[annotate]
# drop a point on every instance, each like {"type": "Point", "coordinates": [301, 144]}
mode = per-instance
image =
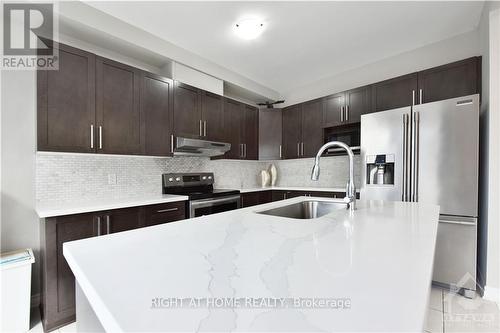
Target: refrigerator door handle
{"type": "Point", "coordinates": [405, 162]}
{"type": "Point", "coordinates": [416, 123]}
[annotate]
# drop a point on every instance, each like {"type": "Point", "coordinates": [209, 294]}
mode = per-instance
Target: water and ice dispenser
{"type": "Point", "coordinates": [380, 169]}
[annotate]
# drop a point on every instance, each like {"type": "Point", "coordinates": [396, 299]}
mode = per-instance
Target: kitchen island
{"type": "Point", "coordinates": [367, 270]}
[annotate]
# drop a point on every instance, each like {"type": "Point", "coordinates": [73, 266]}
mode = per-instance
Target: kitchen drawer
{"type": "Point", "coordinates": [164, 213]}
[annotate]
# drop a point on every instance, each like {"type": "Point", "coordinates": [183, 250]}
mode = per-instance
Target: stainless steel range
{"type": "Point", "coordinates": [203, 198]}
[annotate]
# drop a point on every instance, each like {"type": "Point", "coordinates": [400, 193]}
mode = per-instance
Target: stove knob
{"type": "Point", "coordinates": [178, 179]}
{"type": "Point", "coordinates": [170, 179]}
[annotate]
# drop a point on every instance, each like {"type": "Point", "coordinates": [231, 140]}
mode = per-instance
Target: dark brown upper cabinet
{"type": "Point", "coordinates": [334, 109]}
{"type": "Point", "coordinates": [250, 133]}
{"type": "Point", "coordinates": [242, 130]}
{"type": "Point", "coordinates": [198, 114]}
{"type": "Point", "coordinates": [187, 111]}
{"type": "Point", "coordinates": [358, 103]}
{"type": "Point", "coordinates": [346, 107]}
{"type": "Point", "coordinates": [212, 113]}
{"type": "Point", "coordinates": [66, 103]}
{"type": "Point", "coordinates": [234, 114]}
{"type": "Point", "coordinates": [395, 93]}
{"type": "Point", "coordinates": [120, 121]}
{"type": "Point", "coordinates": [452, 80]}
{"type": "Point", "coordinates": [312, 129]}
{"type": "Point", "coordinates": [156, 106]}
{"type": "Point", "coordinates": [292, 131]}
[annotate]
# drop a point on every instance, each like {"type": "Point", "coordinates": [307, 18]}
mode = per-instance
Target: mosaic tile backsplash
{"type": "Point", "coordinates": [69, 177]}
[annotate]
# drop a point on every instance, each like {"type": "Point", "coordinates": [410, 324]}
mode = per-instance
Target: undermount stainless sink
{"type": "Point", "coordinates": [308, 209]}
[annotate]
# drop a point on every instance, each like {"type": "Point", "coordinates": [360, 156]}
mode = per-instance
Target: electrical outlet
{"type": "Point", "coordinates": [111, 179]}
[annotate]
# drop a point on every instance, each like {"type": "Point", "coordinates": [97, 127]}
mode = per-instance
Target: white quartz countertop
{"type": "Point", "coordinates": [293, 188]}
{"type": "Point", "coordinates": [378, 259]}
{"type": "Point", "coordinates": [76, 207]}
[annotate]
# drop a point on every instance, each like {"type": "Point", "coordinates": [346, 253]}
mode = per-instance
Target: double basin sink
{"type": "Point", "coordinates": [307, 209]}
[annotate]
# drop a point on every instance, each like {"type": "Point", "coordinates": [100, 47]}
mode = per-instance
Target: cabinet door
{"type": "Point", "coordinates": [250, 199]}
{"type": "Point", "coordinates": [233, 118]}
{"type": "Point", "coordinates": [457, 79]}
{"type": "Point", "coordinates": [58, 282]}
{"type": "Point", "coordinates": [66, 103]}
{"type": "Point", "coordinates": [156, 106]}
{"type": "Point", "coordinates": [164, 213]}
{"type": "Point", "coordinates": [357, 104]}
{"type": "Point", "coordinates": [292, 131]}
{"type": "Point", "coordinates": [187, 111]}
{"type": "Point", "coordinates": [251, 133]}
{"type": "Point", "coordinates": [277, 195]}
{"type": "Point", "coordinates": [212, 106]}
{"type": "Point", "coordinates": [121, 220]}
{"type": "Point", "coordinates": [394, 93]}
{"type": "Point", "coordinates": [118, 112]}
{"type": "Point", "coordinates": [312, 129]}
{"type": "Point", "coordinates": [333, 108]}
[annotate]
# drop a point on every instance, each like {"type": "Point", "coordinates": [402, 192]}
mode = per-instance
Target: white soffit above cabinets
{"type": "Point", "coordinates": [303, 41]}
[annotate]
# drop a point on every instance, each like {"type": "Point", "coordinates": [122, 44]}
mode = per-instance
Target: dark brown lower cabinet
{"type": "Point", "coordinates": [164, 213]}
{"type": "Point", "coordinates": [58, 283]}
{"type": "Point", "coordinates": [255, 198]}
{"type": "Point", "coordinates": [282, 194]}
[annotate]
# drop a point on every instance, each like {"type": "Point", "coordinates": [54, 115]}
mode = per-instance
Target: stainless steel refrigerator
{"type": "Point", "coordinates": [430, 153]}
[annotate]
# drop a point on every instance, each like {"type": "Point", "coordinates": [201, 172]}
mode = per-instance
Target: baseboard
{"type": "Point", "coordinates": [35, 300]}
{"type": "Point", "coordinates": [492, 294]}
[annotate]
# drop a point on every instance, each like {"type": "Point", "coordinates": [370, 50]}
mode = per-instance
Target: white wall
{"type": "Point", "coordinates": [446, 51]}
{"type": "Point", "coordinates": [493, 250]}
{"type": "Point", "coordinates": [19, 224]}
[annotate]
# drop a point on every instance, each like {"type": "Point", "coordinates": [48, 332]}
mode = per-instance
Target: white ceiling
{"type": "Point", "coordinates": [303, 41]}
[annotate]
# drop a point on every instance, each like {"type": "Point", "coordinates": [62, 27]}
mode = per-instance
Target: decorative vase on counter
{"type": "Point", "coordinates": [265, 178]}
{"type": "Point", "coordinates": [274, 174]}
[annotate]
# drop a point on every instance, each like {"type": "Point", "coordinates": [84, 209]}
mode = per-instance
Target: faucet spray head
{"type": "Point", "coordinates": [315, 172]}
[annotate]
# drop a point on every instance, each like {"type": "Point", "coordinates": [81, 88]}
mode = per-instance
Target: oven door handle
{"type": "Point", "coordinates": [210, 202]}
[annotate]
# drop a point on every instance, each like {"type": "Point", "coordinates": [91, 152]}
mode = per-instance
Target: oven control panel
{"type": "Point", "coordinates": [187, 179]}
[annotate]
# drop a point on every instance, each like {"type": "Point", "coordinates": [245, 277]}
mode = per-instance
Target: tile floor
{"type": "Point", "coordinates": [447, 312]}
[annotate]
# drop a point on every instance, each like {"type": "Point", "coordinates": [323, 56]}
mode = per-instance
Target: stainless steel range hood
{"type": "Point", "coordinates": [196, 147]}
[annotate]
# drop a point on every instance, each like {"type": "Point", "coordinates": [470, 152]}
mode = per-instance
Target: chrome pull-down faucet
{"type": "Point", "coordinates": [350, 194]}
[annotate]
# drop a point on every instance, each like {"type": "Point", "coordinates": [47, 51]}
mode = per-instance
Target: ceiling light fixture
{"type": "Point", "coordinates": [249, 28]}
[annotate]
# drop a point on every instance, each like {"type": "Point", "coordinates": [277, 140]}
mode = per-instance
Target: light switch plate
{"type": "Point", "coordinates": [111, 179]}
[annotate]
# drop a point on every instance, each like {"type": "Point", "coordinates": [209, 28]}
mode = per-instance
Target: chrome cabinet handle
{"type": "Point", "coordinates": [100, 137]}
{"type": "Point", "coordinates": [245, 150]}
{"type": "Point", "coordinates": [416, 123]}
{"type": "Point", "coordinates": [281, 155]}
{"type": "Point", "coordinates": [241, 150]}
{"type": "Point", "coordinates": [205, 128]}
{"type": "Point", "coordinates": [92, 136]}
{"type": "Point", "coordinates": [347, 113]}
{"type": "Point", "coordinates": [341, 114]}
{"type": "Point", "coordinates": [108, 224]}
{"type": "Point", "coordinates": [298, 149]}
{"type": "Point", "coordinates": [420, 96]}
{"type": "Point", "coordinates": [98, 226]}
{"type": "Point", "coordinates": [172, 143]}
{"type": "Point", "coordinates": [413, 98]}
{"type": "Point", "coordinates": [201, 128]}
{"type": "Point", "coordinates": [167, 210]}
{"type": "Point", "coordinates": [302, 148]}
